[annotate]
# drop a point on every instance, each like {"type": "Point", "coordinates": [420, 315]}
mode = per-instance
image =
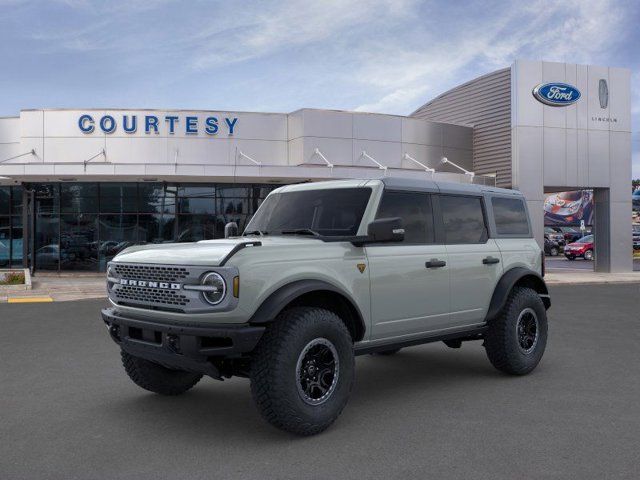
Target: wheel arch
{"type": "Point", "coordinates": [517, 277]}
{"type": "Point", "coordinates": [314, 293]}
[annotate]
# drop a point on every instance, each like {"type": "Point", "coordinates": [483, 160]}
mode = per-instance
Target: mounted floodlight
{"type": "Point", "coordinates": [241, 154]}
{"type": "Point", "coordinates": [364, 154]}
{"type": "Point", "coordinates": [445, 160]}
{"type": "Point", "coordinates": [32, 152]}
{"type": "Point", "coordinates": [102, 152]}
{"type": "Point", "coordinates": [426, 169]}
{"type": "Point", "coordinates": [319, 153]}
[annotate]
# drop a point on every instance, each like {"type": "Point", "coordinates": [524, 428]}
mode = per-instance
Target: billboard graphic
{"type": "Point", "coordinates": [569, 208]}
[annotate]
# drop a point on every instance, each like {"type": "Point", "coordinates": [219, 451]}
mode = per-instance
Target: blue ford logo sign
{"type": "Point", "coordinates": [556, 94]}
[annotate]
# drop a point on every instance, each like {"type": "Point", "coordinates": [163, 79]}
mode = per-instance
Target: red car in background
{"type": "Point", "coordinates": [581, 248]}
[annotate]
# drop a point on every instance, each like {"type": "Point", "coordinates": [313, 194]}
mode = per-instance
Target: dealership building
{"type": "Point", "coordinates": [77, 186]}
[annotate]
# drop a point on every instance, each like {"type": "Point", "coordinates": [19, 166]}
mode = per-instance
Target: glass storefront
{"type": "Point", "coordinates": [10, 227]}
{"type": "Point", "coordinates": [82, 226]}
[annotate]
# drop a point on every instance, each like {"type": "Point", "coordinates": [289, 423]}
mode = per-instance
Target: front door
{"type": "Point", "coordinates": [409, 280]}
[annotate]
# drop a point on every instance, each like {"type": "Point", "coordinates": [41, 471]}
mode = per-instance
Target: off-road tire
{"type": "Point", "coordinates": [274, 379]}
{"type": "Point", "coordinates": [386, 353]}
{"type": "Point", "coordinates": [501, 340]}
{"type": "Point", "coordinates": [156, 378]}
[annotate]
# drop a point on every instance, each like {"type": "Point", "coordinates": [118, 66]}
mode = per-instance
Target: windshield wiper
{"type": "Point", "coordinates": [254, 232]}
{"type": "Point", "coordinates": [300, 231]}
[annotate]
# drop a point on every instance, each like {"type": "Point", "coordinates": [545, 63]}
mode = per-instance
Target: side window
{"type": "Point", "coordinates": [415, 211]}
{"type": "Point", "coordinates": [463, 219]}
{"type": "Point", "coordinates": [510, 215]}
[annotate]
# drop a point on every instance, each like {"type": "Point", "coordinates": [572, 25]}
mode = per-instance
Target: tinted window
{"type": "Point", "coordinates": [510, 216]}
{"type": "Point", "coordinates": [415, 211]}
{"type": "Point", "coordinates": [463, 219]}
{"type": "Point", "coordinates": [336, 211]}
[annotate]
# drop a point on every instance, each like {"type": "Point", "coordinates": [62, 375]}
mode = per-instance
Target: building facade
{"type": "Point", "coordinates": [77, 186]}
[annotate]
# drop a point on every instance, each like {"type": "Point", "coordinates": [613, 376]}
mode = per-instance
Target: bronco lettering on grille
{"type": "Point", "coordinates": [148, 284]}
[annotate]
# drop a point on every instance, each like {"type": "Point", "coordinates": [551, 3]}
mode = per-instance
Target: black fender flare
{"type": "Point", "coordinates": [278, 300]}
{"type": "Point", "coordinates": [506, 283]}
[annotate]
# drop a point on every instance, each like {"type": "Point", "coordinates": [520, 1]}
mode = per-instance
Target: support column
{"type": "Point", "coordinates": [612, 229]}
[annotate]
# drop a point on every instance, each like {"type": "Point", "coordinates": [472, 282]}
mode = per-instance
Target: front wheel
{"type": "Point", "coordinates": [302, 370]}
{"type": "Point", "coordinates": [588, 255]}
{"type": "Point", "coordinates": [554, 252]}
{"type": "Point", "coordinates": [515, 341]}
{"type": "Point", "coordinates": [156, 378]}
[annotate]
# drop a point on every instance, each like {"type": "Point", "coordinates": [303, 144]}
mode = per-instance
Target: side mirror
{"type": "Point", "coordinates": [231, 230]}
{"type": "Point", "coordinates": [385, 230]}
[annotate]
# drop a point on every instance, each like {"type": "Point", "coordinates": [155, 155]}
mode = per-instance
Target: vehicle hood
{"type": "Point", "coordinates": [206, 252]}
{"type": "Point", "coordinates": [579, 245]}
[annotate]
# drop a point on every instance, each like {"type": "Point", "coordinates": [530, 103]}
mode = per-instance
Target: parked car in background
{"type": "Point", "coordinates": [551, 248]}
{"type": "Point", "coordinates": [582, 248]}
{"type": "Point", "coordinates": [554, 234]}
{"type": "Point", "coordinates": [635, 201]}
{"type": "Point", "coordinates": [636, 237]}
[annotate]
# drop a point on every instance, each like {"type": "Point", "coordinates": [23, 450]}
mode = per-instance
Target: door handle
{"type": "Point", "coordinates": [490, 260]}
{"type": "Point", "coordinates": [435, 263]}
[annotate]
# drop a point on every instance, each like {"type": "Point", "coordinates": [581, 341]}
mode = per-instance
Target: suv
{"type": "Point", "coordinates": [326, 271]}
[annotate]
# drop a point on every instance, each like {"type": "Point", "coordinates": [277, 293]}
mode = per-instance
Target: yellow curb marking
{"type": "Point", "coordinates": [29, 299]}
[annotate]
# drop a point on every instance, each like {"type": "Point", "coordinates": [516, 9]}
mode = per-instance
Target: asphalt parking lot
{"type": "Point", "coordinates": [68, 411]}
{"type": "Point", "coordinates": [562, 263]}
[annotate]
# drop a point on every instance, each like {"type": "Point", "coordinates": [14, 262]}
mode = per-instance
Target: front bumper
{"type": "Point", "coordinates": [186, 347]}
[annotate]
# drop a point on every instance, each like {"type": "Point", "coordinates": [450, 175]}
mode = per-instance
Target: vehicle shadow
{"type": "Point", "coordinates": [226, 409]}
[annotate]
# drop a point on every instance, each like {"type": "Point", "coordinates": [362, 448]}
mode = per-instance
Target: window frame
{"type": "Point", "coordinates": [483, 207]}
{"type": "Point", "coordinates": [437, 232]}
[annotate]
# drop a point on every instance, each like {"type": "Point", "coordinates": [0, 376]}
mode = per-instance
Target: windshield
{"type": "Point", "coordinates": [587, 239]}
{"type": "Point", "coordinates": [327, 212]}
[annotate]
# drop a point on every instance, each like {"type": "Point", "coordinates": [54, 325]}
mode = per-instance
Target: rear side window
{"type": "Point", "coordinates": [510, 215]}
{"type": "Point", "coordinates": [415, 211]}
{"type": "Point", "coordinates": [463, 219]}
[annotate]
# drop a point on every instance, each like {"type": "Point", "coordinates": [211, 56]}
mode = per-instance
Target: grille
{"type": "Point", "coordinates": [150, 272]}
{"type": "Point", "coordinates": [150, 295]}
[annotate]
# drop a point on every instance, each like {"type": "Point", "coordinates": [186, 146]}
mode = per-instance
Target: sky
{"type": "Point", "coordinates": [388, 56]}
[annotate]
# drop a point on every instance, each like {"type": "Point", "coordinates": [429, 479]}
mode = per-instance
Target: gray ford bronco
{"type": "Point", "coordinates": [324, 272]}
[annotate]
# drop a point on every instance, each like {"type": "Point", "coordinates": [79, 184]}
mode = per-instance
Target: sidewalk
{"type": "Point", "coordinates": [53, 287]}
{"type": "Point", "coordinates": [49, 287]}
{"type": "Point", "coordinates": [586, 277]}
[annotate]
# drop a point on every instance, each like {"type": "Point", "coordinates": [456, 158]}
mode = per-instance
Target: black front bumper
{"type": "Point", "coordinates": [186, 347]}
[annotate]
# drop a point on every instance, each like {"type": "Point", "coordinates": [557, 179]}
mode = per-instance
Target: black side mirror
{"type": "Point", "coordinates": [231, 230]}
{"type": "Point", "coordinates": [385, 230]}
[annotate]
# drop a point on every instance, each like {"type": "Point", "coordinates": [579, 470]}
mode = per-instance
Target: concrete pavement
{"type": "Point", "coordinates": [70, 412]}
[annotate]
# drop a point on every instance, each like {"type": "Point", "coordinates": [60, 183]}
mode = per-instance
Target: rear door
{"type": "Point", "coordinates": [474, 258]}
{"type": "Point", "coordinates": [410, 279]}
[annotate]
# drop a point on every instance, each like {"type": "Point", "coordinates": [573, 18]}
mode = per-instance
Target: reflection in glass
{"type": "Point", "coordinates": [79, 242]}
{"type": "Point", "coordinates": [16, 241]}
{"type": "Point", "coordinates": [192, 228]}
{"type": "Point", "coordinates": [5, 241]}
{"type": "Point", "coordinates": [47, 249]}
{"type": "Point", "coordinates": [117, 232]}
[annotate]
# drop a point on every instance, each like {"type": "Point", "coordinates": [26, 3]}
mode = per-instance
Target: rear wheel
{"type": "Point", "coordinates": [156, 378]}
{"type": "Point", "coordinates": [302, 370]}
{"type": "Point", "coordinates": [554, 252]}
{"type": "Point", "coordinates": [515, 341]}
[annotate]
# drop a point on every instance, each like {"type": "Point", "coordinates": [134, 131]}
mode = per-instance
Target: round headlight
{"type": "Point", "coordinates": [217, 288]}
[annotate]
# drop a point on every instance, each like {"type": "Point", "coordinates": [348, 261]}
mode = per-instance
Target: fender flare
{"type": "Point", "coordinates": [278, 300]}
{"type": "Point", "coordinates": [506, 283]}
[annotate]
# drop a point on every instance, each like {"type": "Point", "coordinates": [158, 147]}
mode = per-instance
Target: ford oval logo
{"type": "Point", "coordinates": [556, 94]}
